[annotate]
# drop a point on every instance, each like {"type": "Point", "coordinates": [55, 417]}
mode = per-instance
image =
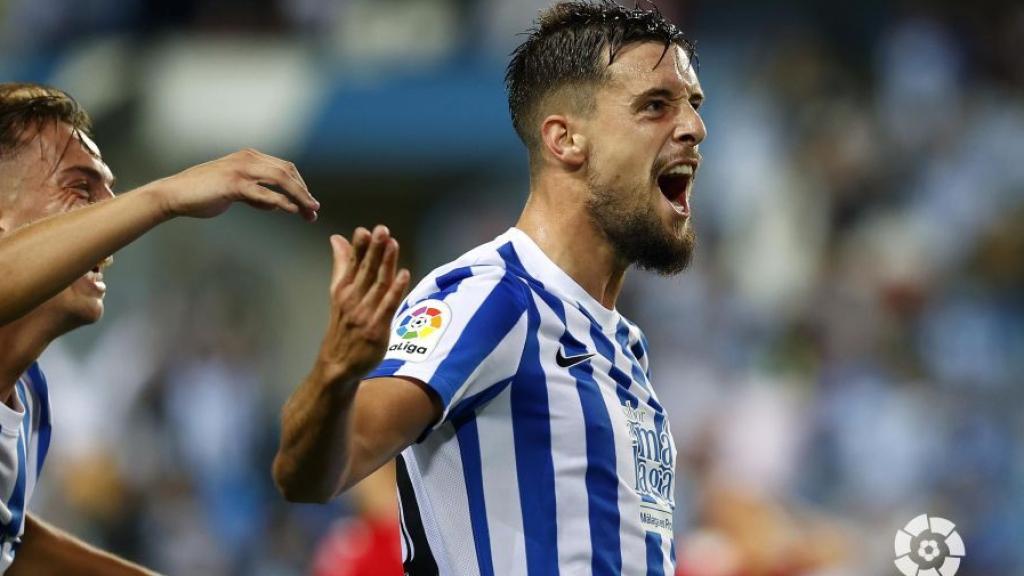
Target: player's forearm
{"type": "Point", "coordinates": [47, 551]}
{"type": "Point", "coordinates": [39, 260]}
{"type": "Point", "coordinates": [316, 436]}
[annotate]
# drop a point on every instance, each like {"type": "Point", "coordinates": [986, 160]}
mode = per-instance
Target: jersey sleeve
{"type": "Point", "coordinates": [464, 343]}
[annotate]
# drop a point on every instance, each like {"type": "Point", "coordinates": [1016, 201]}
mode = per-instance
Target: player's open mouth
{"type": "Point", "coordinates": [95, 279]}
{"type": "Point", "coordinates": [675, 183]}
{"type": "Point", "coordinates": [95, 276]}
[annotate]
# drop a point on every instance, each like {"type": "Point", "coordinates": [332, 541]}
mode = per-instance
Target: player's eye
{"type": "Point", "coordinates": [655, 106]}
{"type": "Point", "coordinates": [696, 103]}
{"type": "Point", "coordinates": [82, 188]}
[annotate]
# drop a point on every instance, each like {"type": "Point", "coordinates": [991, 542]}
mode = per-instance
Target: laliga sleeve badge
{"type": "Point", "coordinates": [418, 330]}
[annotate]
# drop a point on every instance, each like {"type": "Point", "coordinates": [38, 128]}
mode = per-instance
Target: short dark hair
{"type": "Point", "coordinates": [24, 107]}
{"type": "Point", "coordinates": [566, 47]}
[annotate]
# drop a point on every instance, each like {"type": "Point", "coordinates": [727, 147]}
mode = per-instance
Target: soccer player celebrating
{"type": "Point", "coordinates": [56, 237]}
{"type": "Point", "coordinates": [516, 397]}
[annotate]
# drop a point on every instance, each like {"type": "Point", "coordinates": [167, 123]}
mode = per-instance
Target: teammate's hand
{"type": "Point", "coordinates": [366, 289]}
{"type": "Point", "coordinates": [207, 190]}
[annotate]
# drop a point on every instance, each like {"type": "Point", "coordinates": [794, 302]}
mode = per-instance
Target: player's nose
{"type": "Point", "coordinates": [690, 127]}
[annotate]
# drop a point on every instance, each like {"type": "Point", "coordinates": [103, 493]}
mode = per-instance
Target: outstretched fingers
{"type": "Point", "coordinates": [343, 256]}
{"type": "Point", "coordinates": [292, 171]}
{"type": "Point", "coordinates": [284, 176]}
{"type": "Point", "coordinates": [385, 273]}
{"type": "Point", "coordinates": [360, 244]}
{"type": "Point", "coordinates": [388, 305]}
{"type": "Point", "coordinates": [366, 273]}
{"type": "Point", "coordinates": [264, 198]}
{"type": "Point", "coordinates": [371, 261]}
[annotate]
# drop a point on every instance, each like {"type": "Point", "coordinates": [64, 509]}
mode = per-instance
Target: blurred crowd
{"type": "Point", "coordinates": [844, 355]}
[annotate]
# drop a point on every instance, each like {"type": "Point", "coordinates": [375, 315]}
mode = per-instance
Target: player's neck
{"type": "Point", "coordinates": [558, 222]}
{"type": "Point", "coordinates": [23, 341]}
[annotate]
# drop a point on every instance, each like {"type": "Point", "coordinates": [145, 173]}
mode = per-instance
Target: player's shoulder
{"type": "Point", "coordinates": [482, 270]}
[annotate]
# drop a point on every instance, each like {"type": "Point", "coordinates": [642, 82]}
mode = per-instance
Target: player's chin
{"type": "Point", "coordinates": [88, 312]}
{"type": "Point", "coordinates": [85, 309]}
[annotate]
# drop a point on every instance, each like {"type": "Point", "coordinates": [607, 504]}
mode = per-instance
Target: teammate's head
{"type": "Point", "coordinates": [609, 96]}
{"type": "Point", "coordinates": [49, 165]}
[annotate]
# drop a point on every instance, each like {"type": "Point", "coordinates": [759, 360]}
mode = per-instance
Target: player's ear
{"type": "Point", "coordinates": [560, 141]}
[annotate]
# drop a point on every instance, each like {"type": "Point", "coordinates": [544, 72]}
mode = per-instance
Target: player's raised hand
{"type": "Point", "coordinates": [207, 190]}
{"type": "Point", "coordinates": [366, 289]}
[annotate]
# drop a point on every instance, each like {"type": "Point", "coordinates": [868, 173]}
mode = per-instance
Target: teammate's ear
{"type": "Point", "coordinates": [559, 140]}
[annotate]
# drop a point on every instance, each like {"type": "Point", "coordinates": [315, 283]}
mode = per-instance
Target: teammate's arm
{"type": "Point", "coordinates": [47, 551]}
{"type": "Point", "coordinates": [336, 430]}
{"type": "Point", "coordinates": [39, 260]}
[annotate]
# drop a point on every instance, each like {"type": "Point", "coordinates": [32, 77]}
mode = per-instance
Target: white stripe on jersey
{"type": "Point", "coordinates": [553, 453]}
{"type": "Point", "coordinates": [24, 441]}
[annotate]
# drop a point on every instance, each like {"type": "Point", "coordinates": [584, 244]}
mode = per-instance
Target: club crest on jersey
{"type": "Point", "coordinates": [418, 330]}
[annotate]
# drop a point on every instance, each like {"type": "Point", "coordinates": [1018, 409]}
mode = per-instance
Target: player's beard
{"type": "Point", "coordinates": [631, 224]}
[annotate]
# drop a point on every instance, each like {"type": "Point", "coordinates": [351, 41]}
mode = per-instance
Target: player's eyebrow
{"type": "Point", "coordinates": [696, 98]}
{"type": "Point", "coordinates": [92, 174]}
{"type": "Point", "coordinates": [657, 92]}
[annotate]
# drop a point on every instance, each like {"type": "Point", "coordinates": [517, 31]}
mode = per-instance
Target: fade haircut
{"type": "Point", "coordinates": [25, 108]}
{"type": "Point", "coordinates": [566, 49]}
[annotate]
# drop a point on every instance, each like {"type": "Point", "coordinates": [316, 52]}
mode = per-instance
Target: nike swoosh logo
{"type": "Point", "coordinates": [570, 361]}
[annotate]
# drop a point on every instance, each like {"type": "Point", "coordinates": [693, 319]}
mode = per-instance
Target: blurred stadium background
{"type": "Point", "coordinates": [845, 354]}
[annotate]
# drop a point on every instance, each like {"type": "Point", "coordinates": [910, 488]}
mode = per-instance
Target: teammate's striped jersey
{"type": "Point", "coordinates": [553, 455]}
{"type": "Point", "coordinates": [24, 440]}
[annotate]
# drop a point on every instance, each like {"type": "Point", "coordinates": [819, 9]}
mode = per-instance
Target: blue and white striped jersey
{"type": "Point", "coordinates": [553, 455]}
{"type": "Point", "coordinates": [24, 440]}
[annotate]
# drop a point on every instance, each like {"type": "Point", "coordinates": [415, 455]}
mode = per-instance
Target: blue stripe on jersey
{"type": "Point", "coordinates": [493, 320]}
{"type": "Point", "coordinates": [622, 336]}
{"type": "Point", "coordinates": [605, 348]}
{"type": "Point", "coordinates": [512, 262]}
{"type": "Point", "coordinates": [515, 265]}
{"type": "Point", "coordinates": [638, 350]}
{"type": "Point", "coordinates": [655, 557]}
{"type": "Point", "coordinates": [388, 367]}
{"type": "Point", "coordinates": [602, 477]}
{"type": "Point", "coordinates": [644, 347]}
{"type": "Point", "coordinates": [469, 449]}
{"type": "Point", "coordinates": [535, 469]}
{"type": "Point", "coordinates": [449, 281]}
{"type": "Point", "coordinates": [42, 394]}
{"type": "Point", "coordinates": [466, 407]}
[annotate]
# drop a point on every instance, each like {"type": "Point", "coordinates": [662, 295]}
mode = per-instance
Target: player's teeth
{"type": "Point", "coordinates": [680, 170]}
